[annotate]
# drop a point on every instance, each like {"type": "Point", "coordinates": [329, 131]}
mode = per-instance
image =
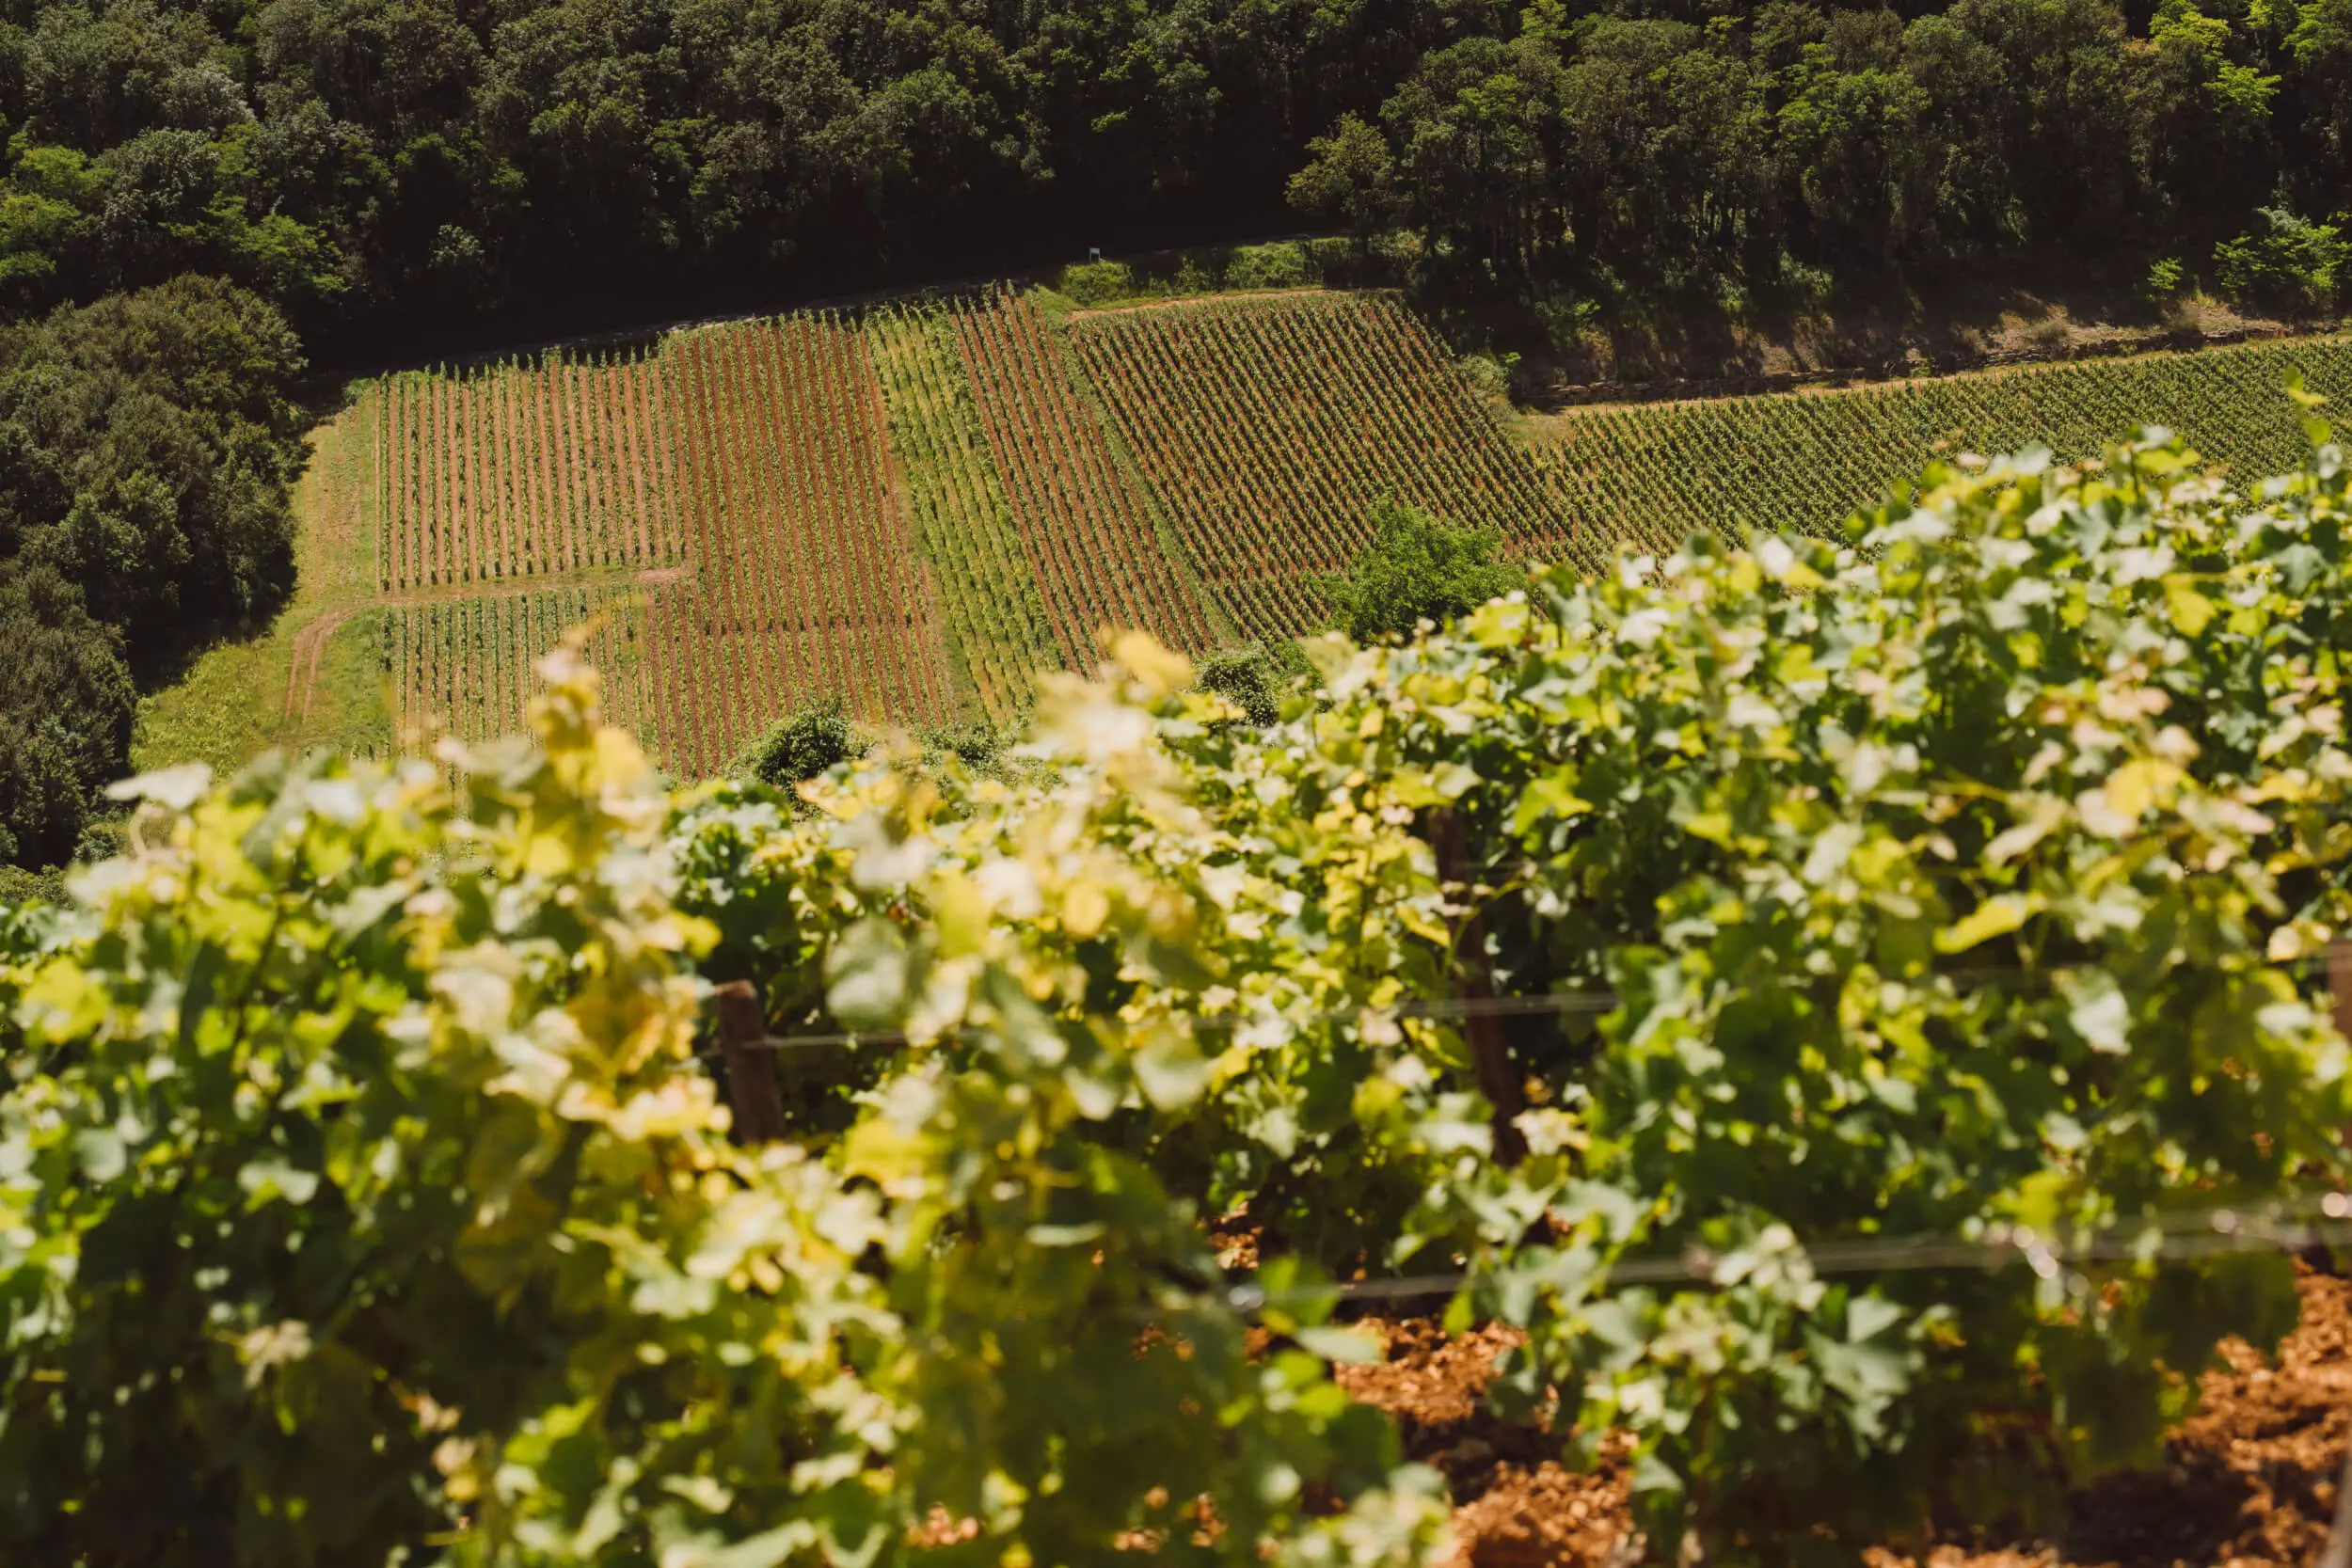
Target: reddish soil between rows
{"type": "Point", "coordinates": [2248, 1480]}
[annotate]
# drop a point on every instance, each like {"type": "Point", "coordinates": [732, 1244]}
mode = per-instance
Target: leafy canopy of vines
{"type": "Point", "coordinates": [360, 1190]}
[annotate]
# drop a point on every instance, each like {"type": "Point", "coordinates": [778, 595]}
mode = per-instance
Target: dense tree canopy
{"type": "Point", "coordinates": [146, 443]}
{"type": "Point", "coordinates": [348, 157]}
{"type": "Point", "coordinates": [1671, 150]}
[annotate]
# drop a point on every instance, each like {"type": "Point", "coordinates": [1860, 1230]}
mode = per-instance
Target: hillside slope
{"type": "Point", "coordinates": [910, 510]}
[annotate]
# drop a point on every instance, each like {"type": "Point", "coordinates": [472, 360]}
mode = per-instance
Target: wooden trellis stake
{"type": "Point", "coordinates": [751, 1063]}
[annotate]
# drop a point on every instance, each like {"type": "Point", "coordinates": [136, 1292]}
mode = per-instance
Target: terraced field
{"type": "Point", "coordinates": [913, 510]}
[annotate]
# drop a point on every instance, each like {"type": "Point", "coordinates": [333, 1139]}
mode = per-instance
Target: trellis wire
{"type": "Point", "coordinates": [2323, 1221]}
{"type": "Point", "coordinates": [1443, 1009]}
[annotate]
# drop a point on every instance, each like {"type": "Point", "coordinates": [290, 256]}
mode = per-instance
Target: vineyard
{"type": "Point", "coordinates": [723, 499]}
{"type": "Point", "coordinates": [998, 627]}
{"type": "Point", "coordinates": [1652, 474]}
{"type": "Point", "coordinates": [1849, 1063]}
{"type": "Point", "coordinates": [1090, 539]}
{"type": "Point", "coordinates": [462, 666]}
{"type": "Point", "coordinates": [914, 508]}
{"type": "Point", "coordinates": [1270, 427]}
{"type": "Point", "coordinates": [526, 470]}
{"type": "Point", "coordinates": [806, 583]}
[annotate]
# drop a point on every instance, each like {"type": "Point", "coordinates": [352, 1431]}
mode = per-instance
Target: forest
{"type": "Point", "coordinates": [363, 164]}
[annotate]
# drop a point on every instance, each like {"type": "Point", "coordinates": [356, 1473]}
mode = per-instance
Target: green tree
{"type": "Point", "coordinates": [2291, 263]}
{"type": "Point", "coordinates": [1417, 569]}
{"type": "Point", "coordinates": [66, 706]}
{"type": "Point", "coordinates": [801, 746]}
{"type": "Point", "coordinates": [1349, 178]}
{"type": "Point", "coordinates": [146, 443]}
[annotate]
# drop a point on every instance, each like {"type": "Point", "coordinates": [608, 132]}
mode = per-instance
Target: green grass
{"type": "Point", "coordinates": [233, 701]}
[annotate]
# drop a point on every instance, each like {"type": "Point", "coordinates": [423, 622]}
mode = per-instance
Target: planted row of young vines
{"type": "Point", "coordinates": [528, 468]}
{"type": "Point", "coordinates": [1653, 474]}
{"type": "Point", "coordinates": [1092, 547]}
{"type": "Point", "coordinates": [462, 666]}
{"type": "Point", "coordinates": [1272, 427]}
{"type": "Point", "coordinates": [996, 619]}
{"type": "Point", "coordinates": [807, 586]}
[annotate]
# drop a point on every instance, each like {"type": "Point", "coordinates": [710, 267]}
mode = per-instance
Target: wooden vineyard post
{"type": "Point", "coordinates": [751, 1063]}
{"type": "Point", "coordinates": [1490, 1053]}
{"type": "Point", "coordinates": [2340, 984]}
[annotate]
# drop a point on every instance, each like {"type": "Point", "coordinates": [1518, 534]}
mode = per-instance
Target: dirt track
{"type": "Point", "coordinates": [310, 644]}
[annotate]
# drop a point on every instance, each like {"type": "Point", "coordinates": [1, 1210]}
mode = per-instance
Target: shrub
{"type": "Point", "coordinates": [365, 1205]}
{"type": "Point", "coordinates": [800, 747]}
{"type": "Point", "coordinates": [1096, 282]}
{"type": "Point", "coordinates": [1927, 868]}
{"type": "Point", "coordinates": [1254, 677]}
{"type": "Point", "coordinates": [1280, 265]}
{"type": "Point", "coordinates": [1418, 569]}
{"type": "Point", "coordinates": [2293, 264]}
{"type": "Point", "coordinates": [1489, 375]}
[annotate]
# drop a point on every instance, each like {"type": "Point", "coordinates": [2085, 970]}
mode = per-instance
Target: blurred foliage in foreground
{"type": "Point", "coordinates": [361, 1193]}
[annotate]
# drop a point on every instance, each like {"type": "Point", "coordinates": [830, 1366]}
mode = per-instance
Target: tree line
{"type": "Point", "coordinates": [146, 448]}
{"type": "Point", "coordinates": [352, 159]}
{"type": "Point", "coordinates": [1673, 152]}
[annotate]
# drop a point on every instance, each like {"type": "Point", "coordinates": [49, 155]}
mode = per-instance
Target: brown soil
{"type": "Point", "coordinates": [1220, 298]}
{"type": "Point", "coordinates": [2250, 1480]}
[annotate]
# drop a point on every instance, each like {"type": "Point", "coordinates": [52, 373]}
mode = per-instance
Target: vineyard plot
{"type": "Point", "coordinates": [995, 616]}
{"type": "Point", "coordinates": [526, 469]}
{"type": "Point", "coordinates": [1270, 428]}
{"type": "Point", "coordinates": [806, 584]}
{"type": "Point", "coordinates": [462, 666]}
{"type": "Point", "coordinates": [1653, 474]}
{"type": "Point", "coordinates": [1091, 545]}
{"type": "Point", "coordinates": [724, 497]}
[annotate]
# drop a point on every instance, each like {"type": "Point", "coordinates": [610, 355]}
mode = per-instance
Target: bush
{"type": "Point", "coordinates": [2292, 264]}
{"type": "Point", "coordinates": [1097, 282]}
{"type": "Point", "coordinates": [800, 747]}
{"type": "Point", "coordinates": [1280, 265]}
{"type": "Point", "coordinates": [1925, 869]}
{"type": "Point", "coordinates": [1418, 569]}
{"type": "Point", "coordinates": [367, 1206]}
{"type": "Point", "coordinates": [1489, 375]}
{"type": "Point", "coordinates": [1936, 873]}
{"type": "Point", "coordinates": [1254, 677]}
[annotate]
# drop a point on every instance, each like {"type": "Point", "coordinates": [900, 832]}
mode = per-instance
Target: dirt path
{"type": "Point", "coordinates": [310, 644]}
{"type": "Point", "coordinates": [1179, 302]}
